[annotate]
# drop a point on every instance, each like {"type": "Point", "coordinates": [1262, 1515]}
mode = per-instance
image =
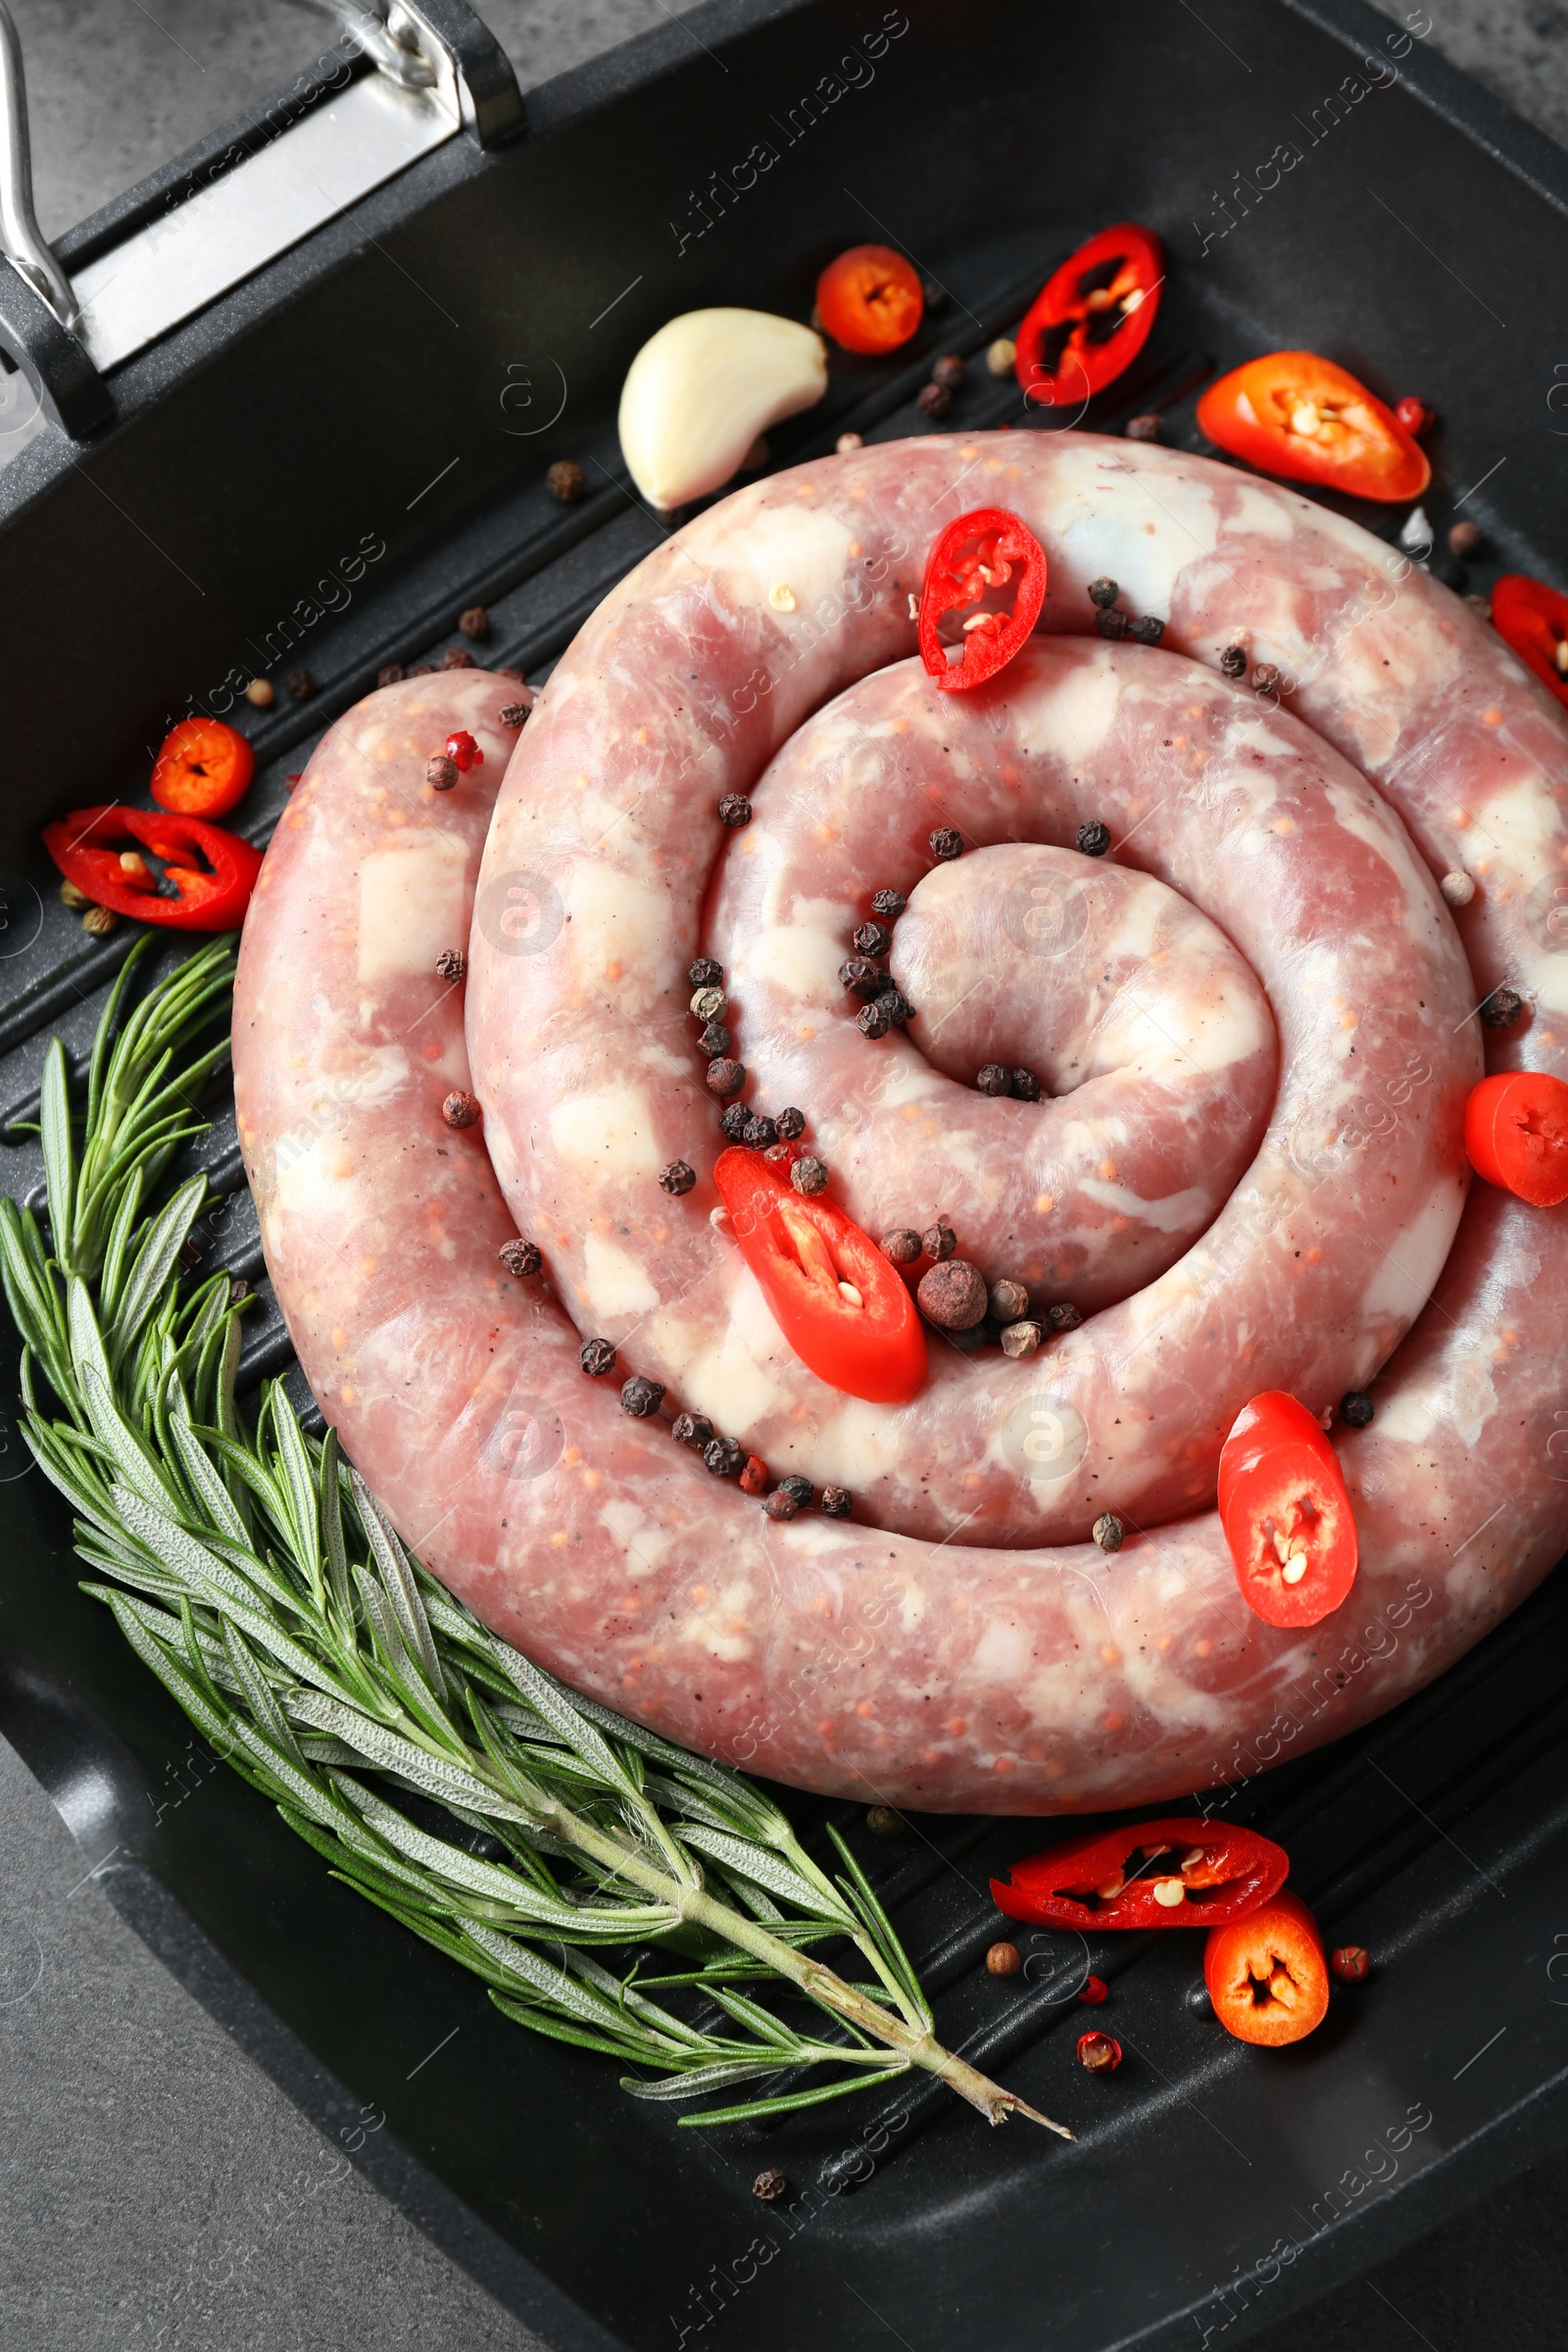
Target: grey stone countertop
{"type": "Point", "coordinates": [161, 2189]}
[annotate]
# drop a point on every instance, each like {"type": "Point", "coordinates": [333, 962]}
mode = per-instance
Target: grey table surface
{"type": "Point", "coordinates": [162, 2189]}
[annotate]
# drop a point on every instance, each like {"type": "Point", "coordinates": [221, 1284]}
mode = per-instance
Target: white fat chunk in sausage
{"type": "Point", "coordinates": [616, 1283]}
{"type": "Point", "coordinates": [1261, 515]}
{"type": "Point", "coordinates": [1405, 1280]}
{"type": "Point", "coordinates": [1176, 1213]}
{"type": "Point", "coordinates": [310, 1171]}
{"type": "Point", "coordinates": [1072, 723]}
{"type": "Point", "coordinates": [412, 904]}
{"type": "Point", "coordinates": [1003, 1652]}
{"type": "Point", "coordinates": [802, 963]}
{"type": "Point", "coordinates": [806, 549]}
{"type": "Point", "coordinates": [610, 1132]}
{"type": "Point", "coordinates": [646, 1541]}
{"type": "Point", "coordinates": [622, 934]}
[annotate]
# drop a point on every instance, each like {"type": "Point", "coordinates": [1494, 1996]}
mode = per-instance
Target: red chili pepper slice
{"type": "Point", "coordinates": [803, 1251]}
{"type": "Point", "coordinates": [1414, 414]}
{"type": "Point", "coordinates": [1516, 1135]}
{"type": "Point", "coordinates": [461, 749]}
{"type": "Point", "coordinates": [203, 768]}
{"type": "Point", "coordinates": [208, 901]}
{"type": "Point", "coordinates": [1308, 420]}
{"type": "Point", "coordinates": [1151, 1874]}
{"type": "Point", "coordinates": [1533, 619]}
{"type": "Point", "coordinates": [871, 299]}
{"type": "Point", "coordinates": [973, 560]}
{"type": "Point", "coordinates": [1287, 1512]}
{"type": "Point", "coordinates": [1266, 1973]}
{"type": "Point", "coordinates": [1091, 317]}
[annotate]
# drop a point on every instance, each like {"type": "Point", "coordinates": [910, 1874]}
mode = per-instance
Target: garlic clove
{"type": "Point", "coordinates": [702, 388]}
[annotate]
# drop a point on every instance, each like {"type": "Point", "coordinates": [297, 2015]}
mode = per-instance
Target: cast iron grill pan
{"type": "Point", "coordinates": [1211, 2188]}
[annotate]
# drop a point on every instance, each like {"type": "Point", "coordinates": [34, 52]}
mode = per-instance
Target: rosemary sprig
{"type": "Point", "coordinates": [516, 1826]}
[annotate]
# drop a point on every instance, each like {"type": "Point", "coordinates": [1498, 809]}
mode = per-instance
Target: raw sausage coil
{"type": "Point", "coordinates": [1299, 1222]}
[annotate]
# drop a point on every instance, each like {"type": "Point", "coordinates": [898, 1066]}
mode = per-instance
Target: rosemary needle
{"type": "Point", "coordinates": [520, 1829]}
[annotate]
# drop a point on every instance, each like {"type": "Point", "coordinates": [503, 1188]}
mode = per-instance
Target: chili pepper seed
{"type": "Point", "coordinates": [460, 1108]}
{"type": "Point", "coordinates": [451, 964]}
{"type": "Point", "coordinates": [1093, 839]}
{"type": "Point", "coordinates": [677, 1178]}
{"type": "Point", "coordinates": [565, 480]}
{"type": "Point", "coordinates": [808, 1175]}
{"type": "Point", "coordinates": [1099, 2053]}
{"type": "Point", "coordinates": [946, 842]}
{"type": "Point", "coordinates": [596, 1356]}
{"type": "Point", "coordinates": [640, 1396]}
{"type": "Point", "coordinates": [440, 772]}
{"type": "Point", "coordinates": [884, 1821]}
{"type": "Point", "coordinates": [1109, 1531]}
{"type": "Point", "coordinates": [1350, 1963]}
{"type": "Point", "coordinates": [837, 1502]}
{"type": "Point", "coordinates": [1003, 1960]}
{"type": "Point", "coordinates": [520, 1259]}
{"type": "Point", "coordinates": [769, 2185]}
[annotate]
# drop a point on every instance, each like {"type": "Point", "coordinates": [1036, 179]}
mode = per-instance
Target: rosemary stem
{"type": "Point", "coordinates": [819, 1984]}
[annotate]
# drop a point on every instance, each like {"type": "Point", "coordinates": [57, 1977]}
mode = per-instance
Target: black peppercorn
{"type": "Point", "coordinates": [946, 842]}
{"type": "Point", "coordinates": [716, 1041]}
{"type": "Point", "coordinates": [451, 964]}
{"type": "Point", "coordinates": [299, 685]}
{"type": "Point", "coordinates": [692, 1429]}
{"type": "Point", "coordinates": [1464, 538]}
{"type": "Point", "coordinates": [992, 1079]}
{"type": "Point", "coordinates": [837, 1502]}
{"type": "Point", "coordinates": [456, 657]}
{"type": "Point", "coordinates": [860, 975]}
{"type": "Point", "coordinates": [939, 1241]}
{"type": "Point", "coordinates": [704, 972]}
{"type": "Point", "coordinates": [514, 714]}
{"type": "Point", "coordinates": [781, 1505]}
{"type": "Point", "coordinates": [475, 622]}
{"type": "Point", "coordinates": [1265, 678]}
{"type": "Point", "coordinates": [809, 1174]}
{"type": "Point", "coordinates": [1063, 1318]}
{"type": "Point", "coordinates": [724, 1077]}
{"type": "Point", "coordinates": [934, 400]}
{"type": "Point", "coordinates": [770, 2185]}
{"type": "Point", "coordinates": [801, 1488]}
{"type": "Point", "coordinates": [1025, 1086]}
{"type": "Point", "coordinates": [902, 1247]}
{"type": "Point", "coordinates": [1355, 1408]}
{"type": "Point", "coordinates": [1143, 428]}
{"type": "Point", "coordinates": [1093, 839]}
{"type": "Point", "coordinates": [898, 1008]}
{"type": "Point", "coordinates": [949, 371]}
{"type": "Point", "coordinates": [391, 675]}
{"type": "Point", "coordinates": [724, 1458]}
{"type": "Point", "coordinates": [565, 480]}
{"type": "Point", "coordinates": [873, 938]}
{"type": "Point", "coordinates": [734, 809]}
{"type": "Point", "coordinates": [708, 1005]}
{"type": "Point", "coordinates": [733, 1125]}
{"type": "Point", "coordinates": [440, 772]}
{"type": "Point", "coordinates": [677, 1178]}
{"type": "Point", "coordinates": [460, 1108]}
{"type": "Point", "coordinates": [953, 1295]}
{"type": "Point", "coordinates": [521, 1258]}
{"type": "Point", "coordinates": [640, 1396]}
{"type": "Point", "coordinates": [760, 1131]}
{"type": "Point", "coordinates": [1111, 623]}
{"type": "Point", "coordinates": [1502, 1008]}
{"type": "Point", "coordinates": [884, 1822]}
{"type": "Point", "coordinates": [597, 1357]}
{"type": "Point", "coordinates": [1104, 593]}
{"type": "Point", "coordinates": [1232, 661]}
{"type": "Point", "coordinates": [1147, 629]}
{"type": "Point", "coordinates": [791, 1122]}
{"type": "Point", "coordinates": [872, 1021]}
{"type": "Point", "coordinates": [889, 904]}
{"type": "Point", "coordinates": [1109, 1531]}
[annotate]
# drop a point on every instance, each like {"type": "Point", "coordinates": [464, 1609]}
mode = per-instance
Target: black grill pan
{"type": "Point", "coordinates": [368, 390]}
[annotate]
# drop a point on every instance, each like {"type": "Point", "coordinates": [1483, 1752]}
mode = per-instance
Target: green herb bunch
{"type": "Point", "coordinates": [518, 1827]}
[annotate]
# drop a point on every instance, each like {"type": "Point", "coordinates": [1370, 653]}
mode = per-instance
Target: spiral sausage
{"type": "Point", "coordinates": [907, 1659]}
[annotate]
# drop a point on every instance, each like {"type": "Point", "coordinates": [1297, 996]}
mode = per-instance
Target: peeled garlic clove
{"type": "Point", "coordinates": [699, 391]}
